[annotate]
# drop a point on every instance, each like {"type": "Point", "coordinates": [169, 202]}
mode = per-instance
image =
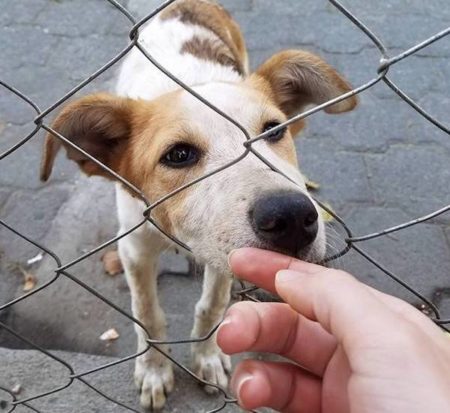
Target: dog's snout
{"type": "Point", "coordinates": [287, 221]}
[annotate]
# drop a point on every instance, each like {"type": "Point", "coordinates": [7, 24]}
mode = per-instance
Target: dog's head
{"type": "Point", "coordinates": [163, 144]}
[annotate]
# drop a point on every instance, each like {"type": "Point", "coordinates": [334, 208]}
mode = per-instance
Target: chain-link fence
{"type": "Point", "coordinates": [380, 74]}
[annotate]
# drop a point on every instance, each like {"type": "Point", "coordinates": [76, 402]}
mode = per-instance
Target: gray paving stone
{"type": "Point", "coordinates": [415, 178]}
{"type": "Point", "coordinates": [341, 174]}
{"type": "Point", "coordinates": [79, 18]}
{"type": "Point", "coordinates": [299, 8]}
{"type": "Point", "coordinates": [41, 209]}
{"type": "Point", "coordinates": [434, 9]}
{"type": "Point", "coordinates": [82, 56]}
{"type": "Point", "coordinates": [25, 46]}
{"type": "Point", "coordinates": [21, 12]}
{"type": "Point", "coordinates": [418, 76]}
{"type": "Point", "coordinates": [26, 367]}
{"type": "Point", "coordinates": [412, 254]}
{"type": "Point", "coordinates": [20, 174]}
{"type": "Point", "coordinates": [14, 110]}
{"type": "Point", "coordinates": [443, 301]}
{"type": "Point", "coordinates": [4, 194]}
{"type": "Point", "coordinates": [141, 8]}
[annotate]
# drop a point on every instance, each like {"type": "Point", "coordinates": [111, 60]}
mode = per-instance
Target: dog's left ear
{"type": "Point", "coordinates": [298, 78]}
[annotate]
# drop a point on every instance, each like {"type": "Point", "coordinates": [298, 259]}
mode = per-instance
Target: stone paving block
{"type": "Point", "coordinates": [300, 8]}
{"type": "Point", "coordinates": [81, 56]}
{"type": "Point", "coordinates": [35, 211]}
{"type": "Point", "coordinates": [20, 12]}
{"type": "Point", "coordinates": [341, 174]}
{"type": "Point", "coordinates": [4, 195]}
{"type": "Point", "coordinates": [415, 178]}
{"type": "Point", "coordinates": [33, 81]}
{"type": "Point", "coordinates": [13, 110]}
{"type": "Point", "coordinates": [26, 367]}
{"type": "Point", "coordinates": [22, 166]}
{"type": "Point", "coordinates": [287, 29]}
{"type": "Point", "coordinates": [435, 8]}
{"type": "Point", "coordinates": [391, 21]}
{"type": "Point", "coordinates": [97, 16]}
{"type": "Point", "coordinates": [376, 124]}
{"type": "Point", "coordinates": [411, 254]}
{"type": "Point", "coordinates": [24, 46]}
{"type": "Point", "coordinates": [443, 298]}
{"type": "Point", "coordinates": [141, 8]}
{"type": "Point", "coordinates": [418, 76]}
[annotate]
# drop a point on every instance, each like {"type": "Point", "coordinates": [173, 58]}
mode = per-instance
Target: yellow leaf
{"type": "Point", "coordinates": [29, 280]}
{"type": "Point", "coordinates": [311, 185]}
{"type": "Point", "coordinates": [327, 216]}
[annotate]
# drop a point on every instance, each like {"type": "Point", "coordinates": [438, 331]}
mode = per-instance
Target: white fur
{"type": "Point", "coordinates": [164, 39]}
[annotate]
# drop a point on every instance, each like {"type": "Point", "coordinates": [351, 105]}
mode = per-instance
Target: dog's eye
{"type": "Point", "coordinates": [275, 136]}
{"type": "Point", "coordinates": [180, 156]}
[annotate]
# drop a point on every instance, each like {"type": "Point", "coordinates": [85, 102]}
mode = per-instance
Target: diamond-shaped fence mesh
{"type": "Point", "coordinates": [8, 400]}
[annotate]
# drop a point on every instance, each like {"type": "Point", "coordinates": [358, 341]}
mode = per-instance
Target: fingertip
{"type": "Point", "coordinates": [230, 255]}
{"type": "Point", "coordinates": [251, 386]}
{"type": "Point", "coordinates": [235, 334]}
{"type": "Point", "coordinates": [224, 334]}
{"type": "Point", "coordinates": [287, 276]}
{"type": "Point", "coordinates": [238, 256]}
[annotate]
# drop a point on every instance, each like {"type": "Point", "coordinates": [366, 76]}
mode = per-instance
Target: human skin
{"type": "Point", "coordinates": [348, 347]}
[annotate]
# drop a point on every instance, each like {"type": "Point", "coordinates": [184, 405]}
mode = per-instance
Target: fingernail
{"type": "Point", "coordinates": [226, 321]}
{"type": "Point", "coordinates": [244, 378]}
{"type": "Point", "coordinates": [229, 257]}
{"type": "Point", "coordinates": [285, 276]}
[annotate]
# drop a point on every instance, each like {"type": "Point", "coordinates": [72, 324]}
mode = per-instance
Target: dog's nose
{"type": "Point", "coordinates": [287, 221]}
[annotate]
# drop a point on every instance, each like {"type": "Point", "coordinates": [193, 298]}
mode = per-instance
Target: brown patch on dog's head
{"type": "Point", "coordinates": [295, 79]}
{"type": "Point", "coordinates": [215, 18]}
{"type": "Point", "coordinates": [213, 50]}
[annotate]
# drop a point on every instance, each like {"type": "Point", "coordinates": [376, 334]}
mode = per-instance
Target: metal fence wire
{"type": "Point", "coordinates": [381, 74]}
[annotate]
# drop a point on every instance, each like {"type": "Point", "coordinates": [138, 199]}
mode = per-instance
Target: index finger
{"type": "Point", "coordinates": [318, 293]}
{"type": "Point", "coordinates": [260, 267]}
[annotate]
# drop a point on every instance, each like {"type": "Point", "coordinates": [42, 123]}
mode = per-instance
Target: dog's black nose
{"type": "Point", "coordinates": [286, 221]}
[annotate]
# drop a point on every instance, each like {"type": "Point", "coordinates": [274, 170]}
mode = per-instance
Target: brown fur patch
{"type": "Point", "coordinates": [213, 50]}
{"type": "Point", "coordinates": [299, 78]}
{"type": "Point", "coordinates": [213, 17]}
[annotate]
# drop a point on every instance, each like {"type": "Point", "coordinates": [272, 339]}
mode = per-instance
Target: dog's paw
{"type": "Point", "coordinates": [155, 382]}
{"type": "Point", "coordinates": [213, 368]}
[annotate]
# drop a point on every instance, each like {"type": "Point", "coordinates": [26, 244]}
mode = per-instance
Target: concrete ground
{"type": "Point", "coordinates": [378, 166]}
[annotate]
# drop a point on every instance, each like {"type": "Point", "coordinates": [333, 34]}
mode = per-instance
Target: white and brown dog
{"type": "Point", "coordinates": [158, 137]}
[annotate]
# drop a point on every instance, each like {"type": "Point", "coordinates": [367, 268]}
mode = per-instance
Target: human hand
{"type": "Point", "coordinates": [352, 348]}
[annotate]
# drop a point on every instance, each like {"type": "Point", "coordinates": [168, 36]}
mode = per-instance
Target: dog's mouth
{"type": "Point", "coordinates": [307, 254]}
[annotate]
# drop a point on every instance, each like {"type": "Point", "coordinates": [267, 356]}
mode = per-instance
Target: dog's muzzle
{"type": "Point", "coordinates": [285, 221]}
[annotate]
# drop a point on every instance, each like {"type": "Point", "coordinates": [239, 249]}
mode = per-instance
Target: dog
{"type": "Point", "coordinates": [159, 137]}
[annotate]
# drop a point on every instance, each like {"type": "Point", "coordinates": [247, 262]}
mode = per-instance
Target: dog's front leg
{"type": "Point", "coordinates": [153, 372]}
{"type": "Point", "coordinates": [209, 362]}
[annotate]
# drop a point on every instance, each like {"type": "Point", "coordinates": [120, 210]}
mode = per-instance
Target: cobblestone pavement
{"type": "Point", "coordinates": [378, 166]}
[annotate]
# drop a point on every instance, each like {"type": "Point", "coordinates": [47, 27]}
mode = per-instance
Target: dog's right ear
{"type": "Point", "coordinates": [99, 124]}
